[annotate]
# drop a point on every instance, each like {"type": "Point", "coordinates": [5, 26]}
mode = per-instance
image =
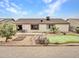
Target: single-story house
{"type": "Point", "coordinates": [42, 24]}
{"type": "Point", "coordinates": [73, 23]}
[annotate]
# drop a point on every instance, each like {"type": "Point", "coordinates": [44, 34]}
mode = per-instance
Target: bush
{"type": "Point", "coordinates": [54, 29]}
{"type": "Point", "coordinates": [42, 40]}
{"type": "Point", "coordinates": [77, 29]}
{"type": "Point", "coordinates": [57, 43]}
{"type": "Point", "coordinates": [64, 33]}
{"type": "Point", "coordinates": [7, 30]}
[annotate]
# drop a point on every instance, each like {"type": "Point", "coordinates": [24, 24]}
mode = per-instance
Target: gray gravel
{"type": "Point", "coordinates": [40, 52]}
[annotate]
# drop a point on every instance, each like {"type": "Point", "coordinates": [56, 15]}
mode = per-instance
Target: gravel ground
{"type": "Point", "coordinates": [40, 52]}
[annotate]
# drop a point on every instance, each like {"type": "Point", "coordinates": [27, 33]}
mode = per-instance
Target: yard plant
{"type": "Point", "coordinates": [7, 30]}
{"type": "Point", "coordinates": [77, 29]}
{"type": "Point", "coordinates": [42, 40]}
{"type": "Point", "coordinates": [54, 29]}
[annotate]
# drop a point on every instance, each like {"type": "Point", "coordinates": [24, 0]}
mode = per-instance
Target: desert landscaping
{"type": "Point", "coordinates": [30, 41]}
{"type": "Point", "coordinates": [42, 39]}
{"type": "Point", "coordinates": [38, 31]}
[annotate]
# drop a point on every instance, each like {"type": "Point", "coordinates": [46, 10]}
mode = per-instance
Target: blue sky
{"type": "Point", "coordinates": [39, 8]}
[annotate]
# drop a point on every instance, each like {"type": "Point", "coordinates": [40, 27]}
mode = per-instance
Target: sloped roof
{"type": "Point", "coordinates": [71, 19]}
{"type": "Point", "coordinates": [38, 21]}
{"type": "Point", "coordinates": [6, 19]}
{"type": "Point", "coordinates": [73, 22]}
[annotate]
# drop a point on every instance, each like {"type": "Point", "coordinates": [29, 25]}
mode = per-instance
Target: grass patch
{"type": "Point", "coordinates": [63, 38]}
{"type": "Point", "coordinates": [73, 34]}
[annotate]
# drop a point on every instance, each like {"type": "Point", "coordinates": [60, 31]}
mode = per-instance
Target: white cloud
{"type": "Point", "coordinates": [13, 8]}
{"type": "Point", "coordinates": [53, 7]}
{"type": "Point", "coordinates": [2, 4]}
{"type": "Point", "coordinates": [6, 1]}
{"type": "Point", "coordinates": [47, 1]}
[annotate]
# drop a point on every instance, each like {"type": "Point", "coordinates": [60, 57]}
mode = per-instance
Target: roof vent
{"type": "Point", "coordinates": [47, 18]}
{"type": "Point", "coordinates": [41, 20]}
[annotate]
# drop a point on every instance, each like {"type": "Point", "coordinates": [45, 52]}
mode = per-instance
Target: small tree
{"type": "Point", "coordinates": [54, 29]}
{"type": "Point", "coordinates": [77, 29]}
{"type": "Point", "coordinates": [7, 30]}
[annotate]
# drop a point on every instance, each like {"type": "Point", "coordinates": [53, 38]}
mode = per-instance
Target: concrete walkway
{"type": "Point", "coordinates": [40, 51]}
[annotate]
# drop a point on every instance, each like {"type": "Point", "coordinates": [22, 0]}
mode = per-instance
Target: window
{"type": "Point", "coordinates": [35, 27]}
{"type": "Point", "coordinates": [49, 26]}
{"type": "Point", "coordinates": [19, 27]}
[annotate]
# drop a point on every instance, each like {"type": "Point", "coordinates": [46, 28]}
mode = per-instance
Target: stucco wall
{"type": "Point", "coordinates": [26, 27]}
{"type": "Point", "coordinates": [74, 23]}
{"type": "Point", "coordinates": [63, 27]}
{"type": "Point", "coordinates": [43, 28]}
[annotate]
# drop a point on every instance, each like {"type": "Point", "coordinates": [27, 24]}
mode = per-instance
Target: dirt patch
{"type": "Point", "coordinates": [20, 37]}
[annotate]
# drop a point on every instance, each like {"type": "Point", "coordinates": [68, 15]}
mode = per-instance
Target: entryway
{"type": "Point", "coordinates": [19, 27]}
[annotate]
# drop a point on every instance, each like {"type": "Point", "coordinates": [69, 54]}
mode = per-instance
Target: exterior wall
{"type": "Point", "coordinates": [63, 27]}
{"type": "Point", "coordinates": [43, 28]}
{"type": "Point", "coordinates": [73, 24]}
{"type": "Point", "coordinates": [26, 27]}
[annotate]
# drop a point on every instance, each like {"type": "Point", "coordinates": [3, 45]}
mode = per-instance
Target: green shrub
{"type": "Point", "coordinates": [64, 33]}
{"type": "Point", "coordinates": [43, 41]}
{"type": "Point", "coordinates": [77, 29]}
{"type": "Point", "coordinates": [7, 30]}
{"type": "Point", "coordinates": [54, 29]}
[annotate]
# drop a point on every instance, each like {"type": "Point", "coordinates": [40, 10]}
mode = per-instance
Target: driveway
{"type": "Point", "coordinates": [40, 51]}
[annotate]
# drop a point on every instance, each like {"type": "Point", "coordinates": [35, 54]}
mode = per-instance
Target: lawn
{"type": "Point", "coordinates": [63, 38]}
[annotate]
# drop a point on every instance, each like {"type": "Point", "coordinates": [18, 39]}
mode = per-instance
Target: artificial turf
{"type": "Point", "coordinates": [63, 38]}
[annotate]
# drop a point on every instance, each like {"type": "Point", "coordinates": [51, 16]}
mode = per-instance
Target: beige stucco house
{"type": "Point", "coordinates": [42, 24]}
{"type": "Point", "coordinates": [73, 23]}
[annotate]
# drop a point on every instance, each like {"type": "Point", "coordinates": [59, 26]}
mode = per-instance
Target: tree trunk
{"type": "Point", "coordinates": [6, 40]}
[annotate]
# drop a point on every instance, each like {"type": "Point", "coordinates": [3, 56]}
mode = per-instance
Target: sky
{"type": "Point", "coordinates": [39, 8]}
